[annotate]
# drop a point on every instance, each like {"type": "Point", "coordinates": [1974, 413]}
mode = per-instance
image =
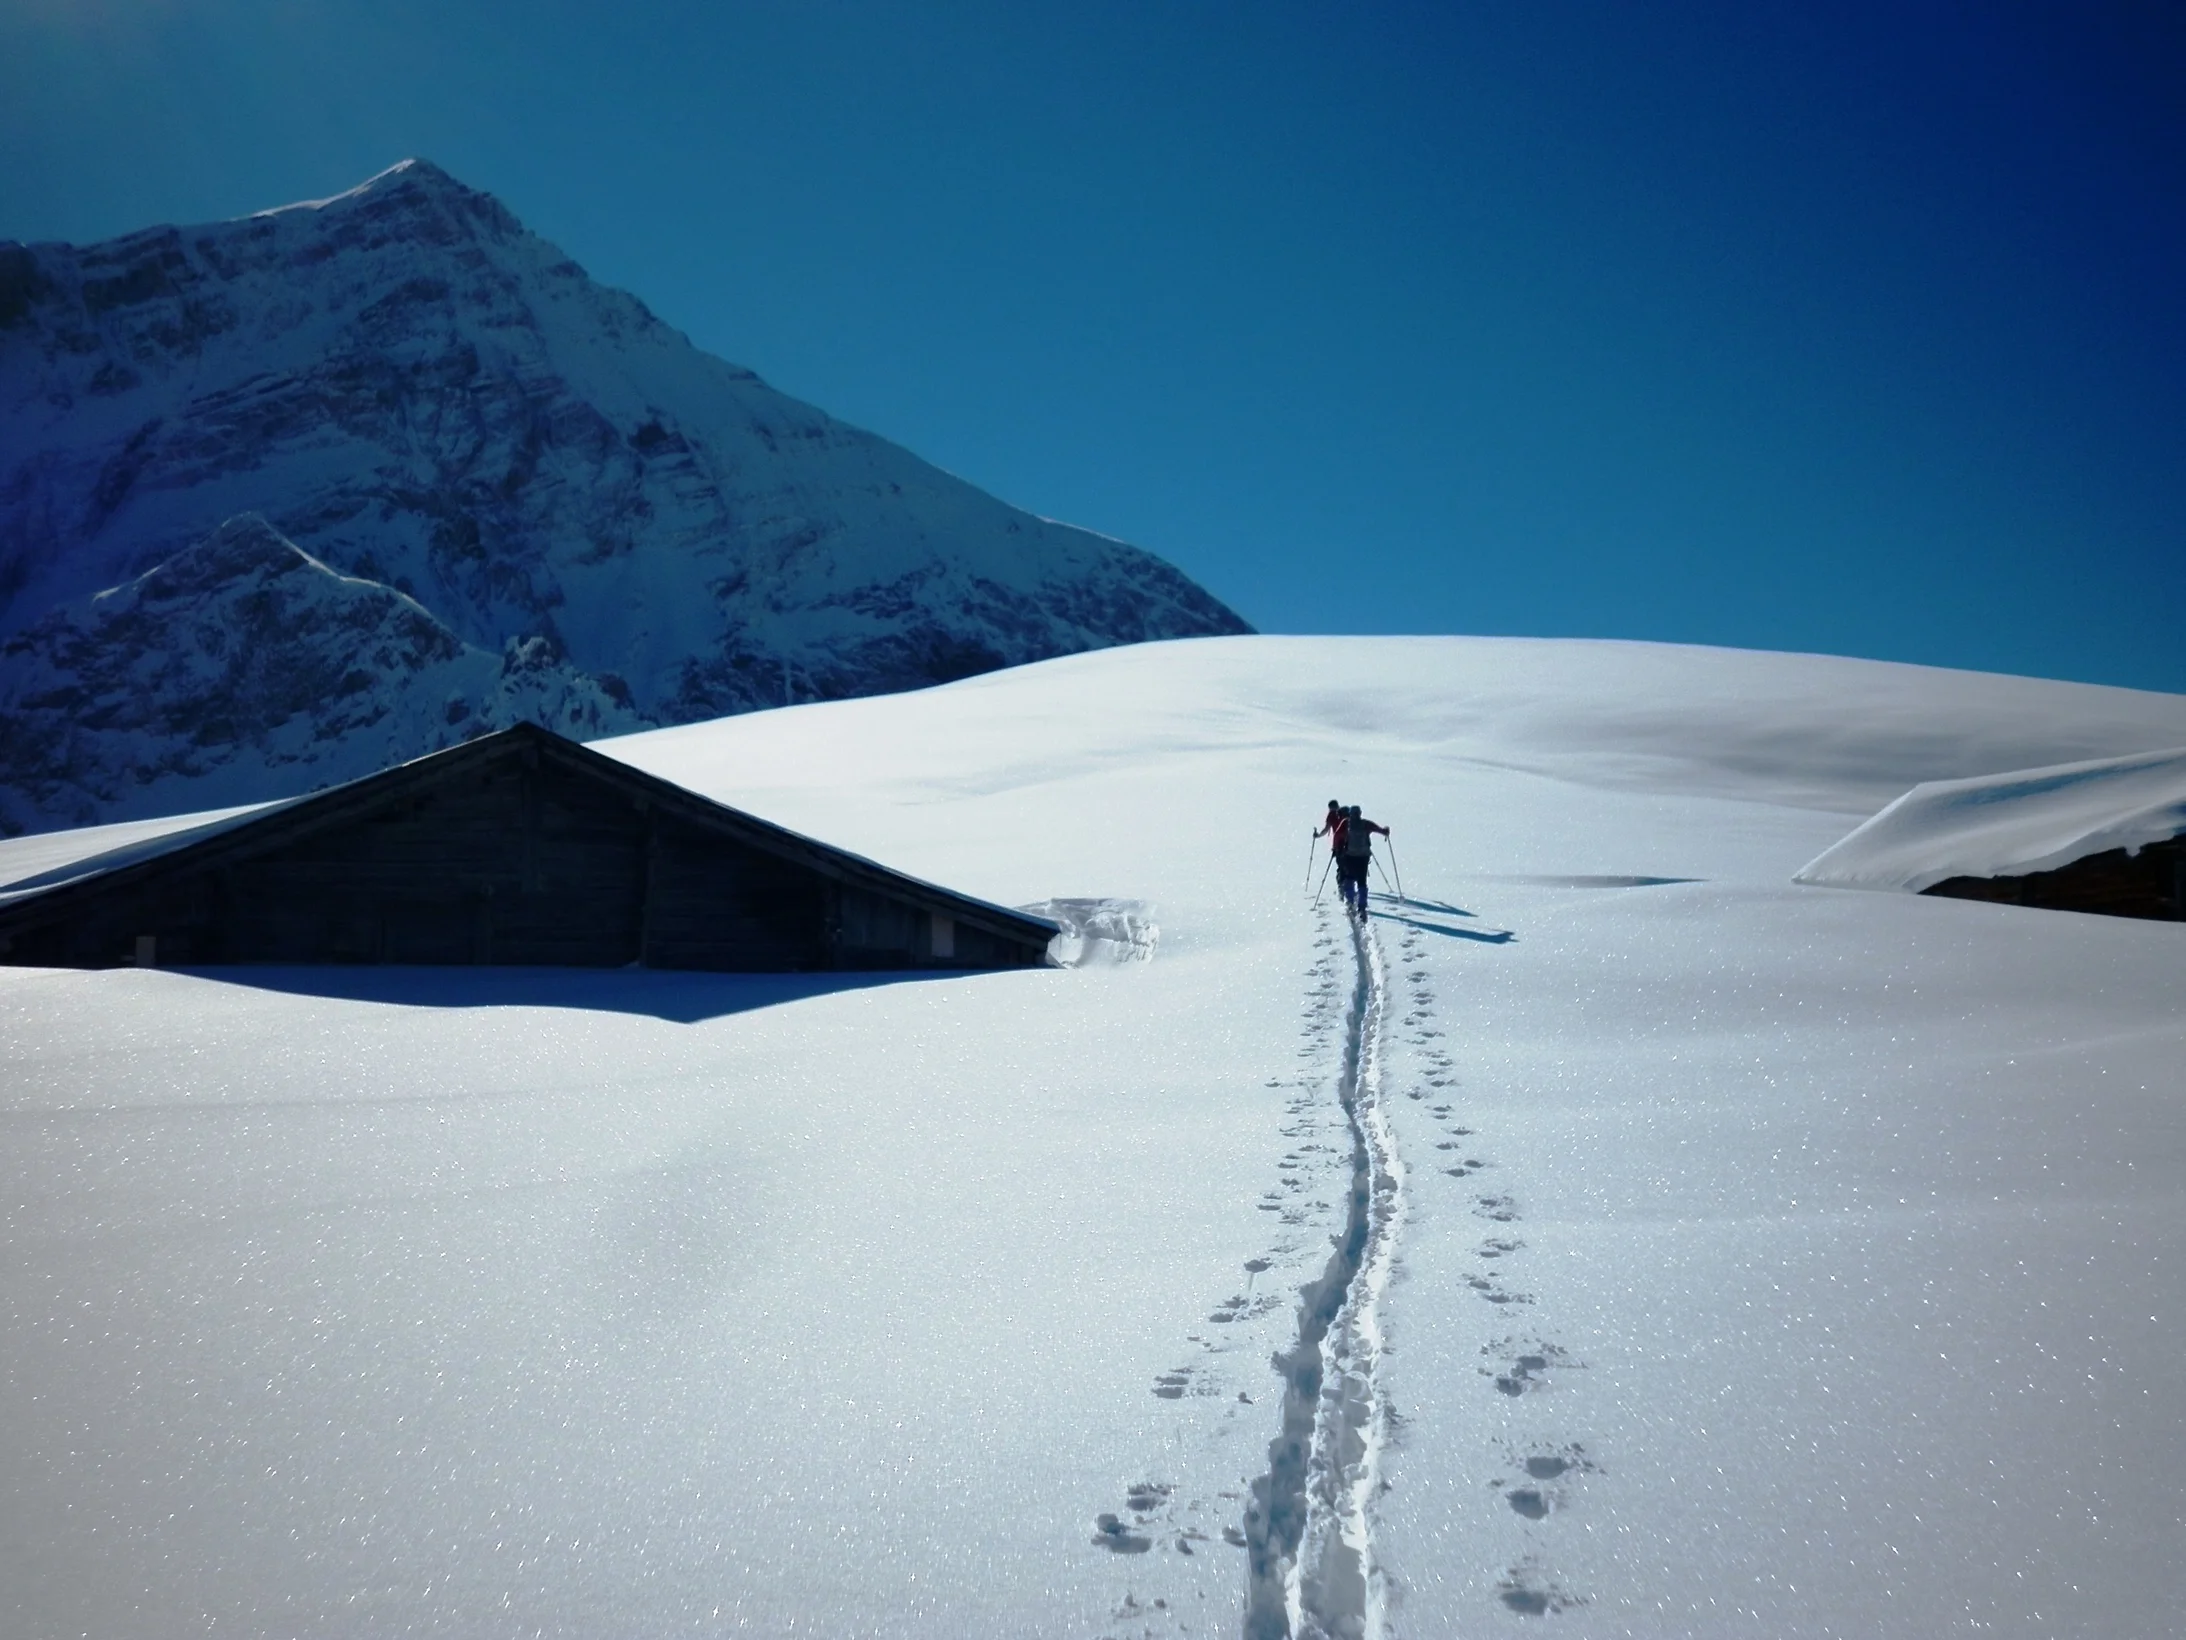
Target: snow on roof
{"type": "Point", "coordinates": [2011, 824]}
{"type": "Point", "coordinates": [35, 865]}
{"type": "Point", "coordinates": [31, 865]}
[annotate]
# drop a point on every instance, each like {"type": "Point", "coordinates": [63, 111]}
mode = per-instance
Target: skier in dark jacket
{"type": "Point", "coordinates": [1354, 853]}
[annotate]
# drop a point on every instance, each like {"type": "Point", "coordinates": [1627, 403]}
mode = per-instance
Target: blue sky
{"type": "Point", "coordinates": [1854, 328]}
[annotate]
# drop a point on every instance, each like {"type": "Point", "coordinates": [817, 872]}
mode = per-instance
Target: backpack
{"type": "Point", "coordinates": [1358, 842]}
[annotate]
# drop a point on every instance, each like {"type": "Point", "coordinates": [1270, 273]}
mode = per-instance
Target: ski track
{"type": "Point", "coordinates": [1170, 1534]}
{"type": "Point", "coordinates": [1312, 1569]}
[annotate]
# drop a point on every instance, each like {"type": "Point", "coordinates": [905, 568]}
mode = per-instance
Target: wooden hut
{"type": "Point", "coordinates": [2107, 835]}
{"type": "Point", "coordinates": [2148, 882]}
{"type": "Point", "coordinates": [517, 848]}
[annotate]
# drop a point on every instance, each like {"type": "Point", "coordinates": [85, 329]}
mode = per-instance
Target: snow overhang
{"type": "Point", "coordinates": [2011, 824]}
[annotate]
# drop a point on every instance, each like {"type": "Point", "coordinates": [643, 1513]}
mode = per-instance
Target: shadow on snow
{"type": "Point", "coordinates": [681, 997]}
{"type": "Point", "coordinates": [1417, 904]}
{"type": "Point", "coordinates": [1486, 936]}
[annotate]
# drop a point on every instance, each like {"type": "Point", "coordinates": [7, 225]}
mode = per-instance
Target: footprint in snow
{"type": "Point", "coordinates": [1526, 1596]}
{"type": "Point", "coordinates": [1539, 1496]}
{"type": "Point", "coordinates": [1495, 1294]}
{"type": "Point", "coordinates": [1526, 1370]}
{"type": "Point", "coordinates": [1527, 1501]}
{"type": "Point", "coordinates": [1111, 1534]}
{"type": "Point", "coordinates": [1550, 1466]}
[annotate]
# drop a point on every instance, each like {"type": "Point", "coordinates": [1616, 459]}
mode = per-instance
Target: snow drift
{"type": "Point", "coordinates": [2010, 824]}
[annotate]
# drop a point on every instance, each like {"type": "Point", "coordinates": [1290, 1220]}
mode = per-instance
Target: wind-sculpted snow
{"type": "Point", "coordinates": [2021, 821]}
{"type": "Point", "coordinates": [420, 394]}
{"type": "Point", "coordinates": [1098, 932]}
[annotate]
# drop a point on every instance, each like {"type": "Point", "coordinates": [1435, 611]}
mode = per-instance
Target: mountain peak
{"type": "Point", "coordinates": [412, 176]}
{"type": "Point", "coordinates": [449, 435]}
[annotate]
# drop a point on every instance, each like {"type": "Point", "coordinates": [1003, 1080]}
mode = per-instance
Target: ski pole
{"type": "Point", "coordinates": [1393, 866]}
{"type": "Point", "coordinates": [1383, 874]}
{"type": "Point", "coordinates": [1309, 863]}
{"type": "Point", "coordinates": [1324, 879]}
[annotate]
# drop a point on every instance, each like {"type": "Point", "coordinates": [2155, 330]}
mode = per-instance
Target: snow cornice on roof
{"type": "Point", "coordinates": [2010, 824]}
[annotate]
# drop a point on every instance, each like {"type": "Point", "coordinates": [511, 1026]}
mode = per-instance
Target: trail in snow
{"type": "Point", "coordinates": [1312, 1569]}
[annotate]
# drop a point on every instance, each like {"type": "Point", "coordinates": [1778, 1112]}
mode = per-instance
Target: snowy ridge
{"type": "Point", "coordinates": [440, 408]}
{"type": "Point", "coordinates": [2010, 824]}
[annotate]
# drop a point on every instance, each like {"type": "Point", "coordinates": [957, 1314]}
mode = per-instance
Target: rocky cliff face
{"type": "Point", "coordinates": [243, 667]}
{"type": "Point", "coordinates": [483, 485]}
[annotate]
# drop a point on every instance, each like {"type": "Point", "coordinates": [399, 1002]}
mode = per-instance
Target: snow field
{"type": "Point", "coordinates": [1849, 1243]}
{"type": "Point", "coordinates": [676, 1317]}
{"type": "Point", "coordinates": [1769, 1259]}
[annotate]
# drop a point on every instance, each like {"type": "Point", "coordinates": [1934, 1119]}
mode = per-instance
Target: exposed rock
{"type": "Point", "coordinates": [423, 397]}
{"type": "Point", "coordinates": [243, 666]}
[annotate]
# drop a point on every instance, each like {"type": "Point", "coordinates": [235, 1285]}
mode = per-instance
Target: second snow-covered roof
{"type": "Point", "coordinates": [2011, 824]}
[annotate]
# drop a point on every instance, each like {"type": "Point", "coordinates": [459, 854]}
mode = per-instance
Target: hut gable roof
{"type": "Point", "coordinates": [2025, 821]}
{"type": "Point", "coordinates": [51, 868]}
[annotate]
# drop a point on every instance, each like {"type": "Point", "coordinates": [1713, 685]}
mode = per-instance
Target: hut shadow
{"type": "Point", "coordinates": [681, 997]}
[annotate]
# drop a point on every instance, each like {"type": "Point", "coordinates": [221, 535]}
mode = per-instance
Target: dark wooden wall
{"type": "Point", "coordinates": [2151, 883]}
{"type": "Point", "coordinates": [518, 861]}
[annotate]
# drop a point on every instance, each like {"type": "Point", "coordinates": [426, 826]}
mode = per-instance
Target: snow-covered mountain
{"type": "Point", "coordinates": [243, 664]}
{"type": "Point", "coordinates": [421, 395]}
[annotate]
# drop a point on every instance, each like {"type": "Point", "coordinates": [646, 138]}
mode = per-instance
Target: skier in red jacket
{"type": "Point", "coordinates": [1332, 828]}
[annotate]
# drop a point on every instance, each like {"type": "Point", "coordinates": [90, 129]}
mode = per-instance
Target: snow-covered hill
{"type": "Point", "coordinates": [419, 393]}
{"type": "Point", "coordinates": [1736, 1257]}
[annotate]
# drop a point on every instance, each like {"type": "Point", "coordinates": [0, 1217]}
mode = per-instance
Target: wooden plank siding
{"type": "Point", "coordinates": [517, 849]}
{"type": "Point", "coordinates": [722, 906]}
{"type": "Point", "coordinates": [2150, 883]}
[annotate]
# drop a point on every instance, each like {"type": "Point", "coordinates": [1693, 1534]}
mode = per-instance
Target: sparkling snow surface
{"type": "Point", "coordinates": [2006, 824]}
{"type": "Point", "coordinates": [1760, 1259]}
